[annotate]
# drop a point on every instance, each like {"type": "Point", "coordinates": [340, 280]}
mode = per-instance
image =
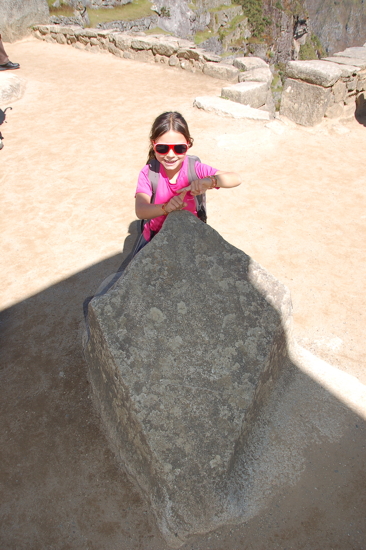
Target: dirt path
{"type": "Point", "coordinates": [73, 147]}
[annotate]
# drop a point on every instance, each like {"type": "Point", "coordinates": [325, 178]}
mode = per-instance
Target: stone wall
{"type": "Point", "coordinates": [175, 52]}
{"type": "Point", "coordinates": [333, 87]}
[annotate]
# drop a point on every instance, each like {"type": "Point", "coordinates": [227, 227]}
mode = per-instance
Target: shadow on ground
{"type": "Point", "coordinates": [61, 487]}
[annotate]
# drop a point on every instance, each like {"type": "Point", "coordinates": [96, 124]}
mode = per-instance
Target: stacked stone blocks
{"type": "Point", "coordinates": [330, 87]}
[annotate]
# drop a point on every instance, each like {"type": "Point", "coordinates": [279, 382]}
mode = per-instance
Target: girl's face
{"type": "Point", "coordinates": [171, 161]}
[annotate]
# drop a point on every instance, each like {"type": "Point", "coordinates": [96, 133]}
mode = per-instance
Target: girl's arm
{"type": "Point", "coordinates": [220, 179]}
{"type": "Point", "coordinates": [147, 211]}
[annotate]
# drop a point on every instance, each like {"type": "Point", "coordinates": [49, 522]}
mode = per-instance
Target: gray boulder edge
{"type": "Point", "coordinates": [183, 352]}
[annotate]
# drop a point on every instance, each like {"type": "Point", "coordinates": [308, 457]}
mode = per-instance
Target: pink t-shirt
{"type": "Point", "coordinates": [167, 190]}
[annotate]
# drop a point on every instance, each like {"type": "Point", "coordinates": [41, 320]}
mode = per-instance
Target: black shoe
{"type": "Point", "coordinates": [9, 66]}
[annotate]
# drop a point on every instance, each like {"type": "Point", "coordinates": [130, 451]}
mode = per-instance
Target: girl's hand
{"type": "Point", "coordinates": [177, 202]}
{"type": "Point", "coordinates": [198, 187]}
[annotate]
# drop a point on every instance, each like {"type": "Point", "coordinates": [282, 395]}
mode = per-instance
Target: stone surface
{"type": "Point", "coordinates": [177, 17]}
{"type": "Point", "coordinates": [221, 71]}
{"type": "Point", "coordinates": [17, 16]}
{"type": "Point", "coordinates": [223, 107]}
{"type": "Point", "coordinates": [336, 110]}
{"type": "Point", "coordinates": [165, 48]}
{"type": "Point", "coordinates": [353, 61]}
{"type": "Point", "coordinates": [304, 103]}
{"type": "Point", "coordinates": [339, 91]}
{"type": "Point", "coordinates": [263, 74]}
{"type": "Point", "coordinates": [122, 41]}
{"type": "Point", "coordinates": [12, 87]}
{"type": "Point", "coordinates": [179, 373]}
{"type": "Point", "coordinates": [253, 94]}
{"type": "Point", "coordinates": [347, 70]}
{"type": "Point", "coordinates": [357, 53]}
{"type": "Point", "coordinates": [221, 18]}
{"type": "Point", "coordinates": [249, 63]}
{"type": "Point", "coordinates": [317, 72]}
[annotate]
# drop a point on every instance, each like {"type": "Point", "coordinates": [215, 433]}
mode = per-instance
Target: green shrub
{"type": "Point", "coordinates": [312, 49]}
{"type": "Point", "coordinates": [253, 9]}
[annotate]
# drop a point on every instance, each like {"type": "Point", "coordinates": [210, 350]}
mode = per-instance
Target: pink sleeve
{"type": "Point", "coordinates": [143, 182]}
{"type": "Point", "coordinates": [203, 170]}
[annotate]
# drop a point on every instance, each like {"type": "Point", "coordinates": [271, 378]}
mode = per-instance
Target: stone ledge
{"type": "Point", "coordinates": [351, 61]}
{"type": "Point", "coordinates": [224, 107]}
{"type": "Point", "coordinates": [358, 52]}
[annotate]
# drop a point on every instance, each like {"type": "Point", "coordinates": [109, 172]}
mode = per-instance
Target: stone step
{"type": "Point", "coordinates": [223, 107]}
{"type": "Point", "coordinates": [253, 94]}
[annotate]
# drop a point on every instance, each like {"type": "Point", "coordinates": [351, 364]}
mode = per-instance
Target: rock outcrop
{"type": "Point", "coordinates": [184, 350]}
{"type": "Point", "coordinates": [17, 17]}
{"type": "Point", "coordinates": [337, 24]}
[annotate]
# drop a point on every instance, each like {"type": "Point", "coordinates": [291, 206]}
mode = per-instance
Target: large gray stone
{"type": "Point", "coordinates": [17, 17]}
{"type": "Point", "coordinates": [183, 353]}
{"type": "Point", "coordinates": [257, 75]}
{"type": "Point", "coordinates": [223, 107]}
{"type": "Point", "coordinates": [221, 71]}
{"type": "Point", "coordinates": [317, 72]}
{"type": "Point", "coordinates": [249, 63]}
{"type": "Point", "coordinates": [253, 94]}
{"type": "Point", "coordinates": [304, 103]}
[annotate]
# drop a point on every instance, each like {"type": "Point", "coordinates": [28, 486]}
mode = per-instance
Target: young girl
{"type": "Point", "coordinates": [169, 143]}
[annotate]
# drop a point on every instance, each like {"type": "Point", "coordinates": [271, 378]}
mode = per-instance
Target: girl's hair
{"type": "Point", "coordinates": [170, 120]}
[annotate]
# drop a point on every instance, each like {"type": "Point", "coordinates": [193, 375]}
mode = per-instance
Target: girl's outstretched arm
{"type": "Point", "coordinates": [220, 179]}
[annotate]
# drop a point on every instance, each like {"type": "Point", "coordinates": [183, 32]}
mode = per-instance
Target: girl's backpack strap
{"type": "Point", "coordinates": [200, 199]}
{"type": "Point", "coordinates": [154, 170]}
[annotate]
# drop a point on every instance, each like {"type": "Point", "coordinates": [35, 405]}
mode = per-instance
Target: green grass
{"type": "Point", "coordinates": [157, 30]}
{"type": "Point", "coordinates": [312, 49]}
{"type": "Point", "coordinates": [202, 36]}
{"type": "Point", "coordinates": [128, 12]}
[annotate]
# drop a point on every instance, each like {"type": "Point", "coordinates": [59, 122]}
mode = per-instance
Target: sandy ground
{"type": "Point", "coordinates": [73, 147]}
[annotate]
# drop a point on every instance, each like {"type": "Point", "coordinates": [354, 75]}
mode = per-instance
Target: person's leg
{"type": "Point", "coordinates": [5, 63]}
{"type": "Point", "coordinates": [3, 57]}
